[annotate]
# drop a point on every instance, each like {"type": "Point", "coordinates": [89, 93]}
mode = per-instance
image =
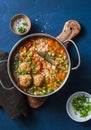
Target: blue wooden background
{"type": "Point", "coordinates": [49, 16]}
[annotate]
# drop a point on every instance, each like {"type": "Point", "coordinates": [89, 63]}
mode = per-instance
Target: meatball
{"type": "Point", "coordinates": [25, 66]}
{"type": "Point", "coordinates": [38, 79]}
{"type": "Point", "coordinates": [25, 80]}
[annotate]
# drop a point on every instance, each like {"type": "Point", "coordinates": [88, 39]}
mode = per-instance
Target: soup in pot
{"type": "Point", "coordinates": [40, 65]}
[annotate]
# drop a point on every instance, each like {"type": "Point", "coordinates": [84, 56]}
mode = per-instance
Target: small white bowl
{"type": "Point", "coordinates": [70, 111]}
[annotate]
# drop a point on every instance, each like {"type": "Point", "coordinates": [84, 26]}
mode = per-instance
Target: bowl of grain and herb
{"type": "Point", "coordinates": [20, 24]}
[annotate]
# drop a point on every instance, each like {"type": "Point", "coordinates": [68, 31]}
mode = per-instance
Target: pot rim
{"type": "Point", "coordinates": [17, 44]}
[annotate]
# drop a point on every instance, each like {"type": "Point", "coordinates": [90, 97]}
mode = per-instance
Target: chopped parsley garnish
{"type": "Point", "coordinates": [25, 24]}
{"type": "Point", "coordinates": [21, 29]}
{"type": "Point", "coordinates": [81, 105]}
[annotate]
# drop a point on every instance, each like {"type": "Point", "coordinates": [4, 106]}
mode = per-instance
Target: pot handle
{"type": "Point", "coordinates": [3, 86]}
{"type": "Point", "coordinates": [79, 59]}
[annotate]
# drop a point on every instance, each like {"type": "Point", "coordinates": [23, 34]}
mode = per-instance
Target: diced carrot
{"type": "Point", "coordinates": [57, 45]}
{"type": "Point", "coordinates": [21, 58]}
{"type": "Point", "coordinates": [63, 53]}
{"type": "Point", "coordinates": [37, 59]}
{"type": "Point", "coordinates": [22, 49]}
{"type": "Point", "coordinates": [50, 42]}
{"type": "Point", "coordinates": [58, 76]}
{"type": "Point", "coordinates": [39, 88]}
{"type": "Point", "coordinates": [51, 84]}
{"type": "Point", "coordinates": [59, 50]}
{"type": "Point", "coordinates": [63, 75]}
{"type": "Point", "coordinates": [28, 45]}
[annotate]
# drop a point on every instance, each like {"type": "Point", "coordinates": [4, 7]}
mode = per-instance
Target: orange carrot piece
{"type": "Point", "coordinates": [28, 45]}
{"type": "Point", "coordinates": [63, 75]}
{"type": "Point", "coordinates": [21, 58]}
{"type": "Point", "coordinates": [22, 49]}
{"type": "Point", "coordinates": [50, 42]}
{"type": "Point", "coordinates": [58, 51]}
{"type": "Point", "coordinates": [63, 53]}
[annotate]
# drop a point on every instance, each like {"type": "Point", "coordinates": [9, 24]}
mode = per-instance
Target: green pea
{"type": "Point", "coordinates": [59, 55]}
{"type": "Point", "coordinates": [50, 90]}
{"type": "Point", "coordinates": [28, 59]}
{"type": "Point", "coordinates": [63, 68]}
{"type": "Point", "coordinates": [32, 66]}
{"type": "Point", "coordinates": [23, 72]}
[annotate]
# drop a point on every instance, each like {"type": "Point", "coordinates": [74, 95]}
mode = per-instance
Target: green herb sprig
{"type": "Point", "coordinates": [22, 28]}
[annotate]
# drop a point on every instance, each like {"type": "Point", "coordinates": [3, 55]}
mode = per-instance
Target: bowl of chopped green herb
{"type": "Point", "coordinates": [78, 106]}
{"type": "Point", "coordinates": [20, 24]}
